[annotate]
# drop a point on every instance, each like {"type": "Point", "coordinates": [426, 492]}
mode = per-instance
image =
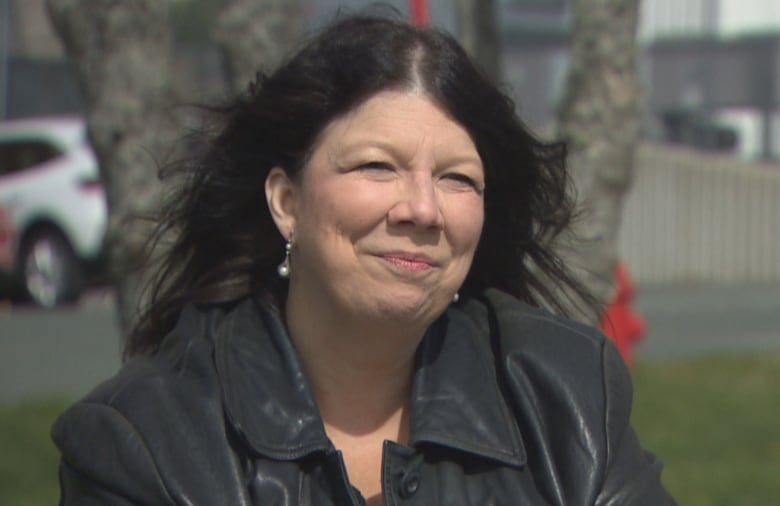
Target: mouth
{"type": "Point", "coordinates": [411, 262]}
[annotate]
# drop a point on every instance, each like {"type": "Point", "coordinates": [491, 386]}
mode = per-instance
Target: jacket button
{"type": "Point", "coordinates": [409, 485]}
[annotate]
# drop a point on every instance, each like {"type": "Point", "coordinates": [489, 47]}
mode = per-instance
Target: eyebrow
{"type": "Point", "coordinates": [354, 147]}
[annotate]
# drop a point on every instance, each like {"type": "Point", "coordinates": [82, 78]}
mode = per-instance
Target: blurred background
{"type": "Point", "coordinates": [698, 298]}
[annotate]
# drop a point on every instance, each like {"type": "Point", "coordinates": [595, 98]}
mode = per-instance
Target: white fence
{"type": "Point", "coordinates": [700, 217]}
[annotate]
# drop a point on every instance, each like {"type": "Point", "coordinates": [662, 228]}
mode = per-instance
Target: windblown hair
{"type": "Point", "coordinates": [225, 244]}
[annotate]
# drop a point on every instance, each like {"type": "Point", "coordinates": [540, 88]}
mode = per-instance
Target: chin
{"type": "Point", "coordinates": [416, 309]}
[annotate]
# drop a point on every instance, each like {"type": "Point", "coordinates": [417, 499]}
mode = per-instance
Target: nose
{"type": "Point", "coordinates": [418, 203]}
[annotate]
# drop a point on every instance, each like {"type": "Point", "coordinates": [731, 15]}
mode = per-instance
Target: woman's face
{"type": "Point", "coordinates": [387, 213]}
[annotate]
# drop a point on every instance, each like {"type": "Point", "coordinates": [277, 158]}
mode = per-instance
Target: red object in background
{"type": "Point", "coordinates": [419, 12]}
{"type": "Point", "coordinates": [7, 236]}
{"type": "Point", "coordinates": [620, 322]}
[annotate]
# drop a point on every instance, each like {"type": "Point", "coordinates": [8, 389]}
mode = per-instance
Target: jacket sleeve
{"type": "Point", "coordinates": [105, 460]}
{"type": "Point", "coordinates": [633, 476]}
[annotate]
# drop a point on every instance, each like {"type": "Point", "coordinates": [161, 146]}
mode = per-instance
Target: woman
{"type": "Point", "coordinates": [347, 314]}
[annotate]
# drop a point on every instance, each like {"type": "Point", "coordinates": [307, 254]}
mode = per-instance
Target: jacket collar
{"type": "Point", "coordinates": [456, 401]}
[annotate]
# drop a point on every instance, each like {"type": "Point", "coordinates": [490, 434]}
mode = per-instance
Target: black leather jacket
{"type": "Point", "coordinates": [510, 406]}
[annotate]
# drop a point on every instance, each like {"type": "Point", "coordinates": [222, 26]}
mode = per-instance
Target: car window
{"type": "Point", "coordinates": [20, 155]}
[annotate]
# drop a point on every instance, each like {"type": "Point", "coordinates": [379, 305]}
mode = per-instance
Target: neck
{"type": "Point", "coordinates": [360, 371]}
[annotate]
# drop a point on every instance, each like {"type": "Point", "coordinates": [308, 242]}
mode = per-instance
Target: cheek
{"type": "Point", "coordinates": [466, 226]}
{"type": "Point", "coordinates": [343, 211]}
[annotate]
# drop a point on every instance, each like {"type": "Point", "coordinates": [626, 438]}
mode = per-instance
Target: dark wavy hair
{"type": "Point", "coordinates": [225, 244]}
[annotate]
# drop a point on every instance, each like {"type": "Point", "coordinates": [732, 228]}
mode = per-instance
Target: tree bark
{"type": "Point", "coordinates": [256, 35]}
{"type": "Point", "coordinates": [478, 33]}
{"type": "Point", "coordinates": [121, 54]}
{"type": "Point", "coordinates": [600, 119]}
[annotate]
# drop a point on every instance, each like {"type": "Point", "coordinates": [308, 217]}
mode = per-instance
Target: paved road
{"type": "Point", "coordinates": [689, 320]}
{"type": "Point", "coordinates": [70, 350]}
{"type": "Point", "coordinates": [61, 351]}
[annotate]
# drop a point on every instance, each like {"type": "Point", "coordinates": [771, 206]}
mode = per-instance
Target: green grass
{"type": "Point", "coordinates": [715, 422]}
{"type": "Point", "coordinates": [28, 458]}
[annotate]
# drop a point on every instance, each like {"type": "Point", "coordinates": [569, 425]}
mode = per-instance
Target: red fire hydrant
{"type": "Point", "coordinates": [620, 321]}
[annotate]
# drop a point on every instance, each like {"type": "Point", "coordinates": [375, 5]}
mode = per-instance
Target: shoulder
{"type": "Point", "coordinates": [538, 346]}
{"type": "Point", "coordinates": [531, 333]}
{"type": "Point", "coordinates": [560, 374]}
{"type": "Point", "coordinates": [571, 394]}
{"type": "Point", "coordinates": [180, 372]}
{"type": "Point", "coordinates": [131, 431]}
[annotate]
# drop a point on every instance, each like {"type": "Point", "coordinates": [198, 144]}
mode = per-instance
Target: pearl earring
{"type": "Point", "coordinates": [284, 268]}
{"type": "Point", "coordinates": [455, 298]}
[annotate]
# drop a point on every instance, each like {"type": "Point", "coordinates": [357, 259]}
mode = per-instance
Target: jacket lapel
{"type": "Point", "coordinates": [456, 401]}
{"type": "Point", "coordinates": [266, 395]}
{"type": "Point", "coordinates": [456, 398]}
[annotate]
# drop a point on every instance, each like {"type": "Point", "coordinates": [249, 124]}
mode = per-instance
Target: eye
{"type": "Point", "coordinates": [377, 171]}
{"type": "Point", "coordinates": [378, 166]}
{"type": "Point", "coordinates": [461, 178]}
{"type": "Point", "coordinates": [459, 181]}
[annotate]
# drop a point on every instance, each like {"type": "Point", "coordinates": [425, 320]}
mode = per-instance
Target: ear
{"type": "Point", "coordinates": [281, 194]}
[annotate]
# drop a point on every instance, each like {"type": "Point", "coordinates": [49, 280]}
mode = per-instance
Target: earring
{"type": "Point", "coordinates": [284, 268]}
{"type": "Point", "coordinates": [455, 298]}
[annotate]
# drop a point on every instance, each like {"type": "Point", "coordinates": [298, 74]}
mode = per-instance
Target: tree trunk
{"type": "Point", "coordinates": [120, 52]}
{"type": "Point", "coordinates": [599, 118]}
{"type": "Point", "coordinates": [478, 33]}
{"type": "Point", "coordinates": [256, 35]}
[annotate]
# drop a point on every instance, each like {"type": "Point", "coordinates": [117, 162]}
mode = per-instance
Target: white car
{"type": "Point", "coordinates": [50, 187]}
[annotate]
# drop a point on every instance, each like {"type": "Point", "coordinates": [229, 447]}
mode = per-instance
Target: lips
{"type": "Point", "coordinates": [413, 262]}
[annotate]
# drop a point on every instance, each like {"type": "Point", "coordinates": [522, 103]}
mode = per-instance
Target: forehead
{"type": "Point", "coordinates": [397, 117]}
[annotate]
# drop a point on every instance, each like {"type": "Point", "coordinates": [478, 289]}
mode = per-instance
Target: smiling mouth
{"type": "Point", "coordinates": [409, 262]}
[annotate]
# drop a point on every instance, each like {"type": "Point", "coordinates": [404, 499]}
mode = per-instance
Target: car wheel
{"type": "Point", "coordinates": [50, 272]}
